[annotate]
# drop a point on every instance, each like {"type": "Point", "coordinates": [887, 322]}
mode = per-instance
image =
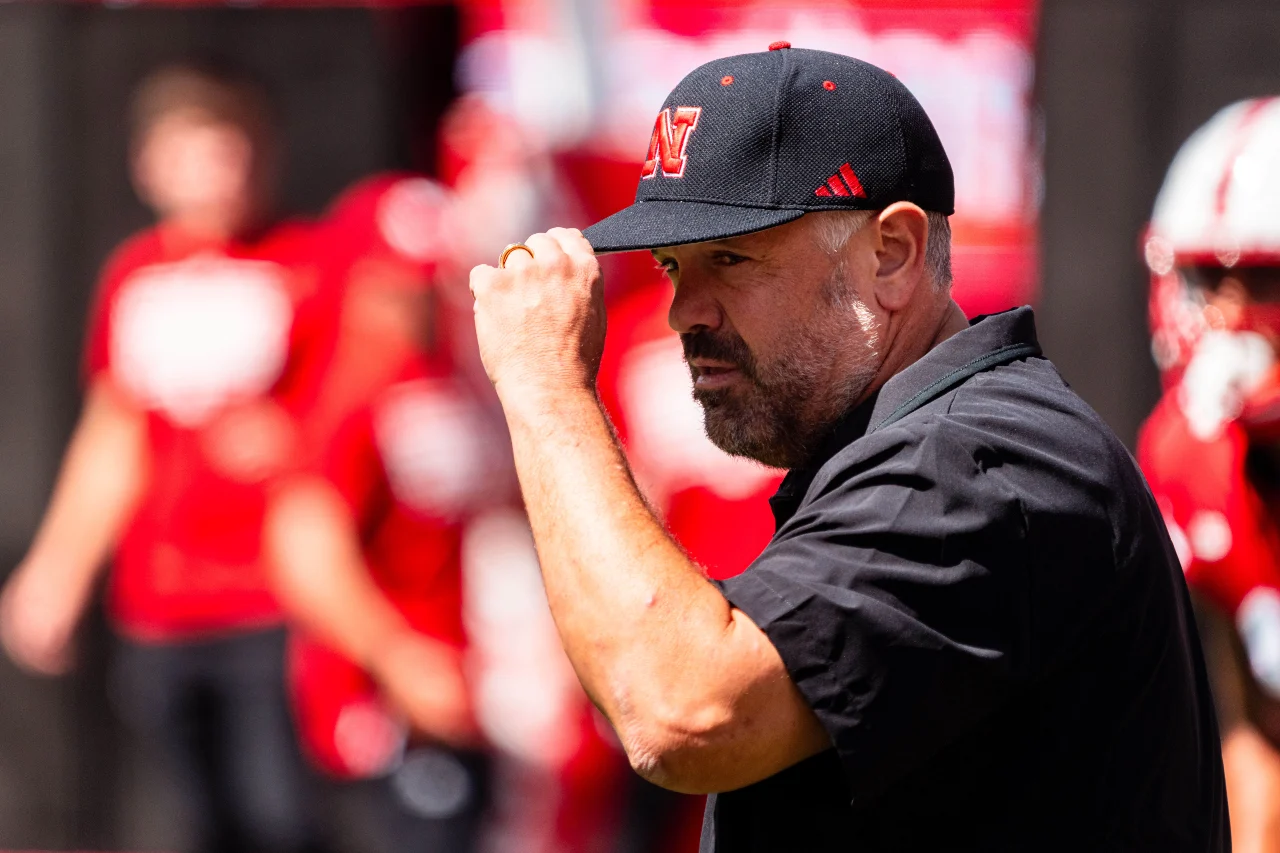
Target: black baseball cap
{"type": "Point", "coordinates": [748, 142]}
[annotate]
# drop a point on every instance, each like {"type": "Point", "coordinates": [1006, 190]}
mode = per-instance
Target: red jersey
{"type": "Point", "coordinates": [715, 505]}
{"type": "Point", "coordinates": [1220, 525]}
{"type": "Point", "coordinates": [410, 461]}
{"type": "Point", "coordinates": [409, 455]}
{"type": "Point", "coordinates": [192, 331]}
{"type": "Point", "coordinates": [1198, 452]}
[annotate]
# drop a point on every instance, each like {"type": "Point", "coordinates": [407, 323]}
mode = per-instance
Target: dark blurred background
{"type": "Point", "coordinates": [1118, 85]}
{"type": "Point", "coordinates": [358, 90]}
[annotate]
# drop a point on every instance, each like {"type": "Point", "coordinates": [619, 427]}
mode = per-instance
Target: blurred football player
{"type": "Point", "coordinates": [197, 321]}
{"type": "Point", "coordinates": [366, 536]}
{"type": "Point", "coordinates": [1211, 449]}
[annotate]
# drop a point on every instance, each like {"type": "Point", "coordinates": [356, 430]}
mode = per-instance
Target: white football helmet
{"type": "Point", "coordinates": [1220, 203]}
{"type": "Point", "coordinates": [1219, 207]}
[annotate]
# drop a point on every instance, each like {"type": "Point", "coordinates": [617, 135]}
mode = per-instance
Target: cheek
{"type": "Point", "coordinates": [771, 305]}
{"type": "Point", "coordinates": [769, 326]}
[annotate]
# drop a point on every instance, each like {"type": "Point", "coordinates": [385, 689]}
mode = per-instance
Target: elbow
{"type": "Point", "coordinates": [680, 749]}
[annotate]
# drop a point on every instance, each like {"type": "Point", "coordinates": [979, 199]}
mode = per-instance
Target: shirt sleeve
{"type": "Point", "coordinates": [347, 457]}
{"type": "Point", "coordinates": [897, 598]}
{"type": "Point", "coordinates": [98, 343]}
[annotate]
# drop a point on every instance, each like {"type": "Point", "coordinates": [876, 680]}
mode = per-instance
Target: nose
{"type": "Point", "coordinates": [694, 308]}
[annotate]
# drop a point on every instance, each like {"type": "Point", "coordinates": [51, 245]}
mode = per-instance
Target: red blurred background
{"type": "Point", "coordinates": [1060, 122]}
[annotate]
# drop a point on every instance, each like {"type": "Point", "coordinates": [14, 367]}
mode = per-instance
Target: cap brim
{"type": "Point", "coordinates": [657, 223]}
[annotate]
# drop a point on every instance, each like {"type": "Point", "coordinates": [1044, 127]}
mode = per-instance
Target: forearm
{"type": "Point", "coordinates": [638, 620]}
{"type": "Point", "coordinates": [325, 585]}
{"type": "Point", "coordinates": [1252, 769]}
{"type": "Point", "coordinates": [320, 575]}
{"type": "Point", "coordinates": [102, 475]}
{"type": "Point", "coordinates": [95, 493]}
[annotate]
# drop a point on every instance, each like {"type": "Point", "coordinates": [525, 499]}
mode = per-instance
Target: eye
{"type": "Point", "coordinates": [727, 259]}
{"type": "Point", "coordinates": [668, 265]}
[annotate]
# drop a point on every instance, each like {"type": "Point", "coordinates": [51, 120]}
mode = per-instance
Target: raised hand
{"type": "Point", "coordinates": [540, 321]}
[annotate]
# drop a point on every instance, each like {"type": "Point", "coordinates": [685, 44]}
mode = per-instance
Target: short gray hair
{"type": "Point", "coordinates": [834, 229]}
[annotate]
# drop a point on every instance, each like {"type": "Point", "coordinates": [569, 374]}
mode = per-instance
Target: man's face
{"type": "Point", "coordinates": [1243, 299]}
{"type": "Point", "coordinates": [778, 334]}
{"type": "Point", "coordinates": [194, 169]}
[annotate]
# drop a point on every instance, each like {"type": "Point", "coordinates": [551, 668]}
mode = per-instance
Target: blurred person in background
{"type": "Point", "coordinates": [1211, 448]}
{"type": "Point", "coordinates": [560, 777]}
{"type": "Point", "coordinates": [196, 321]}
{"type": "Point", "coordinates": [366, 537]}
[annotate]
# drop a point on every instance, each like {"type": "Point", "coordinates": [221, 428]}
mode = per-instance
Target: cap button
{"type": "Point", "coordinates": [779, 45]}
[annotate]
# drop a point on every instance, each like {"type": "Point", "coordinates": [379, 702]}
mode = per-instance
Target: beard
{"type": "Point", "coordinates": [789, 403]}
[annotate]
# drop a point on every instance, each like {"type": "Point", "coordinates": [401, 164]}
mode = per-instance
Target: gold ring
{"type": "Point", "coordinates": [506, 253]}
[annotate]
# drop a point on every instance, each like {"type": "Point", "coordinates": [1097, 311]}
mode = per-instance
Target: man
{"type": "Point", "coordinates": [197, 321]}
{"type": "Point", "coordinates": [366, 535]}
{"type": "Point", "coordinates": [1210, 447]}
{"type": "Point", "coordinates": [970, 631]}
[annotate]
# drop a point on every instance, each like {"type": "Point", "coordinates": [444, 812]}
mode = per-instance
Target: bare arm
{"type": "Point", "coordinates": [1246, 717]}
{"type": "Point", "coordinates": [322, 579]}
{"type": "Point", "coordinates": [97, 488]}
{"type": "Point", "coordinates": [697, 693]}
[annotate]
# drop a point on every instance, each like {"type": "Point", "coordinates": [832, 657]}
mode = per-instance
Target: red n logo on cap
{"type": "Point", "coordinates": [670, 136]}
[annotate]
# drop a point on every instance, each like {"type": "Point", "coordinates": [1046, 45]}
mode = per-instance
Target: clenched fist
{"type": "Point", "coordinates": [540, 322]}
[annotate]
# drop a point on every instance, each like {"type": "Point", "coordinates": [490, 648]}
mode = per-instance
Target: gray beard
{"type": "Point", "coordinates": [786, 410]}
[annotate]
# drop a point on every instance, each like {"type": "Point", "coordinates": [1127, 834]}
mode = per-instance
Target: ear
{"type": "Point", "coordinates": [903, 232]}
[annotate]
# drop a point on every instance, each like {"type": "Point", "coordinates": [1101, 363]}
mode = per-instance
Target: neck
{"type": "Point", "coordinates": [215, 227]}
{"type": "Point", "coordinates": [907, 341]}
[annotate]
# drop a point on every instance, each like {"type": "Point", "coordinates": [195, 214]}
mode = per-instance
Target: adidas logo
{"type": "Point", "coordinates": [844, 182]}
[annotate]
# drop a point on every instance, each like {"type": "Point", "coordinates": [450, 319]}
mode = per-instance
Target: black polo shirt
{"type": "Point", "coordinates": [973, 590]}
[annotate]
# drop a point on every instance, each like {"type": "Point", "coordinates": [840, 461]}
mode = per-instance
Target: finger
{"type": "Point", "coordinates": [517, 259]}
{"type": "Point", "coordinates": [546, 248]}
{"type": "Point", "coordinates": [571, 241]}
{"type": "Point", "coordinates": [561, 235]}
{"type": "Point", "coordinates": [575, 244]}
{"type": "Point", "coordinates": [480, 276]}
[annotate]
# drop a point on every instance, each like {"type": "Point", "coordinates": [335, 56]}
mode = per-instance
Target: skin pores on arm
{"type": "Point", "coordinates": [697, 693]}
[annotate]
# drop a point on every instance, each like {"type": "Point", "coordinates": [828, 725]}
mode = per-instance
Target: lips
{"type": "Point", "coordinates": [709, 374]}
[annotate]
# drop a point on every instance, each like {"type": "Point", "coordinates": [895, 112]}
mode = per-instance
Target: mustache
{"type": "Point", "coordinates": [726, 347]}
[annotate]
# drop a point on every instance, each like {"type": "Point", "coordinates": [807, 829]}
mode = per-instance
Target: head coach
{"type": "Point", "coordinates": [970, 630]}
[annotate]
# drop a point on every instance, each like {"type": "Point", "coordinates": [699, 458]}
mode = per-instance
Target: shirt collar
{"type": "Point", "coordinates": [986, 336]}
